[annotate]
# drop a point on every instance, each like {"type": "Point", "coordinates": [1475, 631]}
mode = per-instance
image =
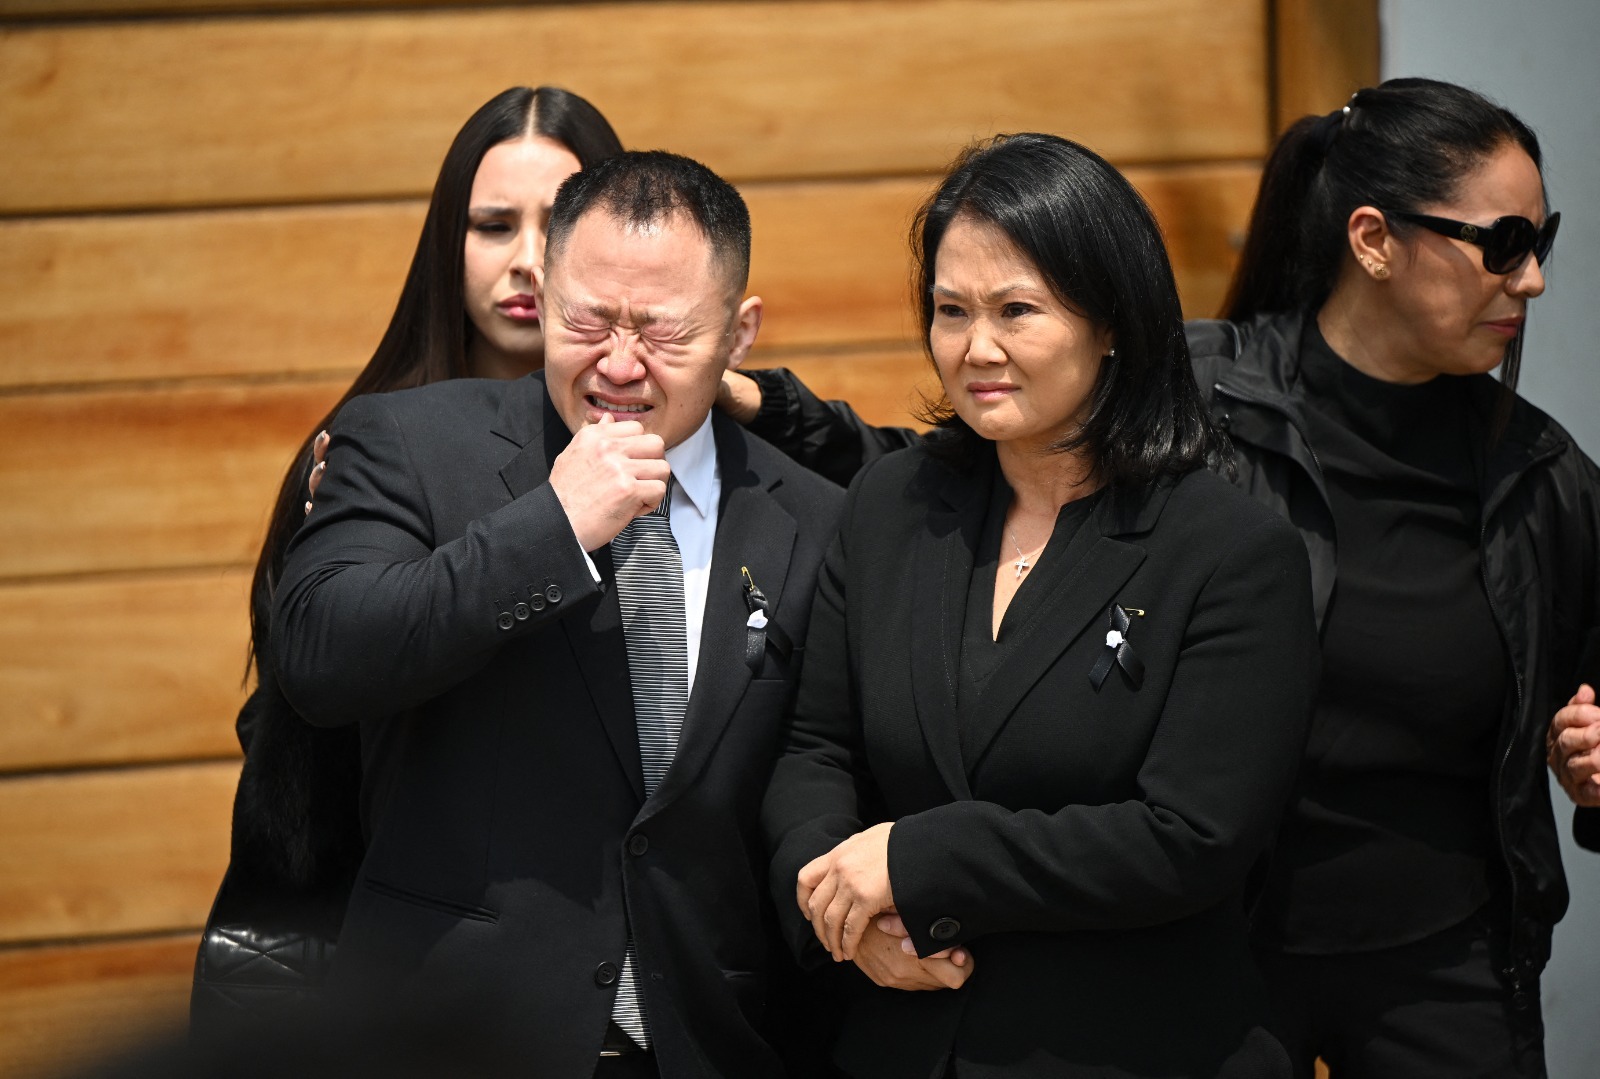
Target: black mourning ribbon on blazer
{"type": "Point", "coordinates": [759, 628]}
{"type": "Point", "coordinates": [1118, 651]}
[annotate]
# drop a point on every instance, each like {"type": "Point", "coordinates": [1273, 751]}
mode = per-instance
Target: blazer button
{"type": "Point", "coordinates": [505, 621]}
{"type": "Point", "coordinates": [944, 929]}
{"type": "Point", "coordinates": [553, 594]}
{"type": "Point", "coordinates": [521, 611]}
{"type": "Point", "coordinates": [605, 974]}
{"type": "Point", "coordinates": [536, 600]}
{"type": "Point", "coordinates": [638, 844]}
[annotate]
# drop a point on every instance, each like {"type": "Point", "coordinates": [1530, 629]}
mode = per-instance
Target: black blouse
{"type": "Point", "coordinates": [981, 649]}
{"type": "Point", "coordinates": [1390, 835]}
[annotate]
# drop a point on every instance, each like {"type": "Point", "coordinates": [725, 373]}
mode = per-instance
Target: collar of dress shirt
{"type": "Point", "coordinates": [694, 466]}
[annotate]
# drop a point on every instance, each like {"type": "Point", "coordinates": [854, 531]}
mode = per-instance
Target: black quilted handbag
{"type": "Point", "coordinates": [296, 845]}
{"type": "Point", "coordinates": [259, 959]}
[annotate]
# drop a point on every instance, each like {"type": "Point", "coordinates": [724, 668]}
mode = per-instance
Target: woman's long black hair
{"type": "Point", "coordinates": [1097, 245]}
{"type": "Point", "coordinates": [1405, 145]}
{"type": "Point", "coordinates": [428, 335]}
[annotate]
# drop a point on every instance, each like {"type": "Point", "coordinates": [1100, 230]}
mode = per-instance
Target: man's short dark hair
{"type": "Point", "coordinates": [642, 188]}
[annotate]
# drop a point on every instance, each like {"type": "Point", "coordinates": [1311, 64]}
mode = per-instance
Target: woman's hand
{"type": "Point", "coordinates": [319, 465]}
{"type": "Point", "coordinates": [883, 957]}
{"type": "Point", "coordinates": [895, 926]}
{"type": "Point", "coordinates": [739, 396]}
{"type": "Point", "coordinates": [1572, 754]}
{"type": "Point", "coordinates": [842, 891]}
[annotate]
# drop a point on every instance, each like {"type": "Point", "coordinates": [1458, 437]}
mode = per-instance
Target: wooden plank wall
{"type": "Point", "coordinates": [206, 212]}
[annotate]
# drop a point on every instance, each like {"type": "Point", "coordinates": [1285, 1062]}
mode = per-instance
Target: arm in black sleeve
{"type": "Point", "coordinates": [1577, 603]}
{"type": "Point", "coordinates": [373, 615]}
{"type": "Point", "coordinates": [812, 802]}
{"type": "Point", "coordinates": [1586, 827]}
{"type": "Point", "coordinates": [824, 436]}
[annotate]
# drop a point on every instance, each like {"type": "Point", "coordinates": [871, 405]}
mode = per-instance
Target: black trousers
{"type": "Point", "coordinates": [1429, 1009]}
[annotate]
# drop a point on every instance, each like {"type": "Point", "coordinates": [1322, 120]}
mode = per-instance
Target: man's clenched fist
{"type": "Point", "coordinates": [610, 474]}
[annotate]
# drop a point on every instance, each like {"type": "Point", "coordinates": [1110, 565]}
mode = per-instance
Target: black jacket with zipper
{"type": "Point", "coordinates": [1539, 552]}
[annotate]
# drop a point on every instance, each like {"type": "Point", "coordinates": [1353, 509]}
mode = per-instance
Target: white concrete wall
{"type": "Point", "coordinates": [1539, 58]}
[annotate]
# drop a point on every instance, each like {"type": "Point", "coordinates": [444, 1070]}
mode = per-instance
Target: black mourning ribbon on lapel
{"type": "Point", "coordinates": [1118, 651]}
{"type": "Point", "coordinates": [759, 628]}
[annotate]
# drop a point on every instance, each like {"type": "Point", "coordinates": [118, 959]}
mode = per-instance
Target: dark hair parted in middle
{"type": "Point", "coordinates": [428, 334]}
{"type": "Point", "coordinates": [430, 331]}
{"type": "Point", "coordinates": [642, 188]}
{"type": "Point", "coordinates": [1098, 247]}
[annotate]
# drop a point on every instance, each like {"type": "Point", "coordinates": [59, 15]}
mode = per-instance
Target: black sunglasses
{"type": "Point", "coordinates": [1507, 241]}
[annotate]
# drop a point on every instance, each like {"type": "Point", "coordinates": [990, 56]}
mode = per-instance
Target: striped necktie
{"type": "Point", "coordinates": [649, 574]}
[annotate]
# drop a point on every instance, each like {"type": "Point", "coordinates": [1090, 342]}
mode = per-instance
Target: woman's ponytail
{"type": "Point", "coordinates": [1272, 273]}
{"type": "Point", "coordinates": [1406, 145]}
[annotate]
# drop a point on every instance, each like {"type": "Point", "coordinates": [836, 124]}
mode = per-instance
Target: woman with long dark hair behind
{"type": "Point", "coordinates": [468, 308]}
{"type": "Point", "coordinates": [1058, 673]}
{"type": "Point", "coordinates": [1454, 534]}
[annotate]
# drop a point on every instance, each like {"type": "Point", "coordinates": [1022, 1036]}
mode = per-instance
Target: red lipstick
{"type": "Point", "coordinates": [523, 307]}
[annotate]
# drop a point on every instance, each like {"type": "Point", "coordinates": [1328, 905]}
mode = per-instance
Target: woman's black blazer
{"type": "Point", "coordinates": [1092, 845]}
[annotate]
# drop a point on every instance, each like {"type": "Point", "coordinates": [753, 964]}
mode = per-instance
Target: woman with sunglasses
{"type": "Point", "coordinates": [1454, 531]}
{"type": "Point", "coordinates": [1455, 538]}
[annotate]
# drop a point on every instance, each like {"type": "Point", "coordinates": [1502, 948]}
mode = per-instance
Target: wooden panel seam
{"type": "Point", "coordinates": [831, 260]}
{"type": "Point", "coordinates": [123, 851]}
{"type": "Point", "coordinates": [63, 1005]}
{"type": "Point", "coordinates": [70, 12]}
{"type": "Point", "coordinates": [108, 111]}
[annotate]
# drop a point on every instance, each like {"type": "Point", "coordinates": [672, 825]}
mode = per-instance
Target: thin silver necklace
{"type": "Point", "coordinates": [1022, 565]}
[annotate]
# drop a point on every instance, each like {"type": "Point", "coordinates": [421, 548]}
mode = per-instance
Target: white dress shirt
{"type": "Point", "coordinates": [696, 492]}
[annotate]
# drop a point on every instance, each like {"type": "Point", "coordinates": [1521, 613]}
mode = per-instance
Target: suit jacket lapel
{"type": "Point", "coordinates": [601, 649]}
{"type": "Point", "coordinates": [754, 532]}
{"type": "Point", "coordinates": [528, 421]}
{"type": "Point", "coordinates": [943, 575]}
{"type": "Point", "coordinates": [1099, 564]}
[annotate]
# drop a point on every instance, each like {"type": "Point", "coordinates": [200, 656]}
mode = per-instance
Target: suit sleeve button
{"type": "Point", "coordinates": [505, 621]}
{"type": "Point", "coordinates": [536, 600]}
{"type": "Point", "coordinates": [521, 611]}
{"type": "Point", "coordinates": [605, 974]}
{"type": "Point", "coordinates": [638, 844]}
{"type": "Point", "coordinates": [553, 593]}
{"type": "Point", "coordinates": [944, 929]}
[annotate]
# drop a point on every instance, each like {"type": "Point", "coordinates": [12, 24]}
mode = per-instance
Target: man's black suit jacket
{"type": "Point", "coordinates": [437, 596]}
{"type": "Point", "coordinates": [1087, 841]}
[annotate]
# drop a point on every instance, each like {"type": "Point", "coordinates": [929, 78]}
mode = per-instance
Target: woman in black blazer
{"type": "Point", "coordinates": [1059, 673]}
